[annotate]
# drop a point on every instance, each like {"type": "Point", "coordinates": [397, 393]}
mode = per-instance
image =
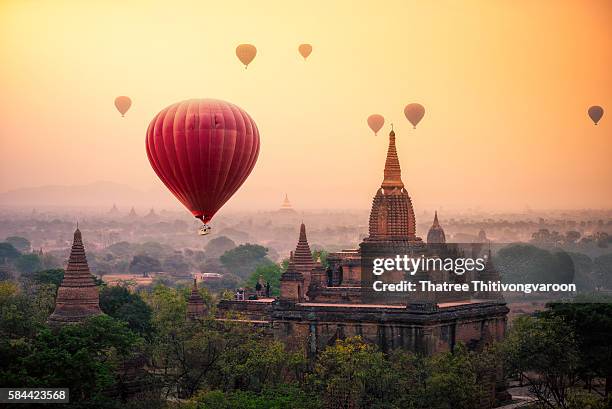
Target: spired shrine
{"type": "Point", "coordinates": [196, 308]}
{"type": "Point", "coordinates": [77, 297]}
{"type": "Point", "coordinates": [320, 304]}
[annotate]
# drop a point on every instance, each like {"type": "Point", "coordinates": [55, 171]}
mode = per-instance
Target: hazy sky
{"type": "Point", "coordinates": [506, 85]}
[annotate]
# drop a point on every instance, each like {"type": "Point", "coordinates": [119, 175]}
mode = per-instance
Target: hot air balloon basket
{"type": "Point", "coordinates": [204, 230]}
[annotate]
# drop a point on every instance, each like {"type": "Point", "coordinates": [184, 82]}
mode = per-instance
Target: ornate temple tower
{"type": "Point", "coordinates": [392, 215]}
{"type": "Point", "coordinates": [392, 229]}
{"type": "Point", "coordinates": [292, 283]}
{"type": "Point", "coordinates": [302, 257]}
{"type": "Point", "coordinates": [77, 297]}
{"type": "Point", "coordinates": [195, 305]}
{"type": "Point", "coordinates": [436, 232]}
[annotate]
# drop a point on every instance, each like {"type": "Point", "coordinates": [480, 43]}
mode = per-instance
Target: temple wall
{"type": "Point", "coordinates": [291, 290]}
{"type": "Point", "coordinates": [428, 338]}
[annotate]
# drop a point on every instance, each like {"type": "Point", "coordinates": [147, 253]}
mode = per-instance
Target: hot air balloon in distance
{"type": "Point", "coordinates": [596, 112]}
{"type": "Point", "coordinates": [414, 113]}
{"type": "Point", "coordinates": [375, 122]}
{"type": "Point", "coordinates": [123, 103]}
{"type": "Point", "coordinates": [202, 150]}
{"type": "Point", "coordinates": [246, 53]}
{"type": "Point", "coordinates": [305, 50]}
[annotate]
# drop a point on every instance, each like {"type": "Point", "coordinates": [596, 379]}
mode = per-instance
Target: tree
{"type": "Point", "coordinates": [602, 268]}
{"type": "Point", "coordinates": [572, 236]}
{"type": "Point", "coordinates": [52, 276]}
{"type": "Point", "coordinates": [144, 264]}
{"type": "Point", "coordinates": [121, 304]}
{"type": "Point", "coordinates": [591, 321]}
{"type": "Point", "coordinates": [544, 352]}
{"type": "Point", "coordinates": [244, 259]}
{"type": "Point", "coordinates": [584, 267]}
{"type": "Point", "coordinates": [283, 396]}
{"type": "Point", "coordinates": [253, 363]}
{"type": "Point", "coordinates": [122, 248]}
{"type": "Point", "coordinates": [80, 357]}
{"type": "Point", "coordinates": [219, 245]}
{"type": "Point", "coordinates": [523, 263]}
{"type": "Point", "coordinates": [8, 252]}
{"type": "Point", "coordinates": [316, 254]}
{"type": "Point", "coordinates": [176, 263]}
{"type": "Point", "coordinates": [22, 244]}
{"type": "Point", "coordinates": [28, 263]}
{"type": "Point", "coordinates": [271, 274]}
{"type": "Point", "coordinates": [350, 374]}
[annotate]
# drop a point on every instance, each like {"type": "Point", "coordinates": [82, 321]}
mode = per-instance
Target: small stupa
{"type": "Point", "coordinates": [114, 210]}
{"type": "Point", "coordinates": [196, 308]}
{"type": "Point", "coordinates": [286, 207]}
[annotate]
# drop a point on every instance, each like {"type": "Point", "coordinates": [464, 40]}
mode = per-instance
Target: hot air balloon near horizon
{"type": "Point", "coordinates": [414, 113]}
{"type": "Point", "coordinates": [595, 113]}
{"type": "Point", "coordinates": [246, 53]}
{"type": "Point", "coordinates": [202, 150]}
{"type": "Point", "coordinates": [305, 50]}
{"type": "Point", "coordinates": [375, 122]}
{"type": "Point", "coordinates": [123, 103]}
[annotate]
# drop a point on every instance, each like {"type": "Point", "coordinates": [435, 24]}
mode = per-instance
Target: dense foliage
{"type": "Point", "coordinates": [177, 363]}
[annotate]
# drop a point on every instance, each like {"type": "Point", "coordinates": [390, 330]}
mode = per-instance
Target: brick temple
{"type": "Point", "coordinates": [77, 297]}
{"type": "Point", "coordinates": [320, 304]}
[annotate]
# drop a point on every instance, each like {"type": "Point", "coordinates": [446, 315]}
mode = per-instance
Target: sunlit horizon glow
{"type": "Point", "coordinates": [506, 86]}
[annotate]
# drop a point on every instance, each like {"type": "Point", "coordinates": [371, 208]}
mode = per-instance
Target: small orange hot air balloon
{"type": "Point", "coordinates": [414, 113]}
{"type": "Point", "coordinates": [123, 103]}
{"type": "Point", "coordinates": [305, 50]}
{"type": "Point", "coordinates": [246, 53]}
{"type": "Point", "coordinates": [375, 122]}
{"type": "Point", "coordinates": [595, 113]}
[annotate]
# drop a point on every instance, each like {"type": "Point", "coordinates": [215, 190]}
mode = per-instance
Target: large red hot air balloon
{"type": "Point", "coordinates": [375, 122]}
{"type": "Point", "coordinates": [203, 150]}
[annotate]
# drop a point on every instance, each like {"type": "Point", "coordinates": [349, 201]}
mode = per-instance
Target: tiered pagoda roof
{"type": "Point", "coordinates": [302, 256]}
{"type": "Point", "coordinates": [77, 297]}
{"type": "Point", "coordinates": [392, 215]}
{"type": "Point", "coordinates": [292, 274]}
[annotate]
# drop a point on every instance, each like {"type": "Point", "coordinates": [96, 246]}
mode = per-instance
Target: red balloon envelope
{"type": "Point", "coordinates": [203, 150]}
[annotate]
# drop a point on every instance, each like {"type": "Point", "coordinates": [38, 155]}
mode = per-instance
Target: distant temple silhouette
{"type": "Point", "coordinates": [114, 210]}
{"type": "Point", "coordinates": [436, 232]}
{"type": "Point", "coordinates": [286, 206]}
{"type": "Point", "coordinates": [77, 297]}
{"type": "Point", "coordinates": [196, 308]}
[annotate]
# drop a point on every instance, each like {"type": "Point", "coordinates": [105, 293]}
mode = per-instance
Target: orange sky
{"type": "Point", "coordinates": [506, 85]}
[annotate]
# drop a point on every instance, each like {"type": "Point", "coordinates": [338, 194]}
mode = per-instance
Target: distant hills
{"type": "Point", "coordinates": [97, 194]}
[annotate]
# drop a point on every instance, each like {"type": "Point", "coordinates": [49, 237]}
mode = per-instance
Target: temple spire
{"type": "Point", "coordinates": [196, 308]}
{"type": "Point", "coordinates": [436, 222]}
{"type": "Point", "coordinates": [77, 297]}
{"type": "Point", "coordinates": [302, 257]}
{"type": "Point", "coordinates": [393, 173]}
